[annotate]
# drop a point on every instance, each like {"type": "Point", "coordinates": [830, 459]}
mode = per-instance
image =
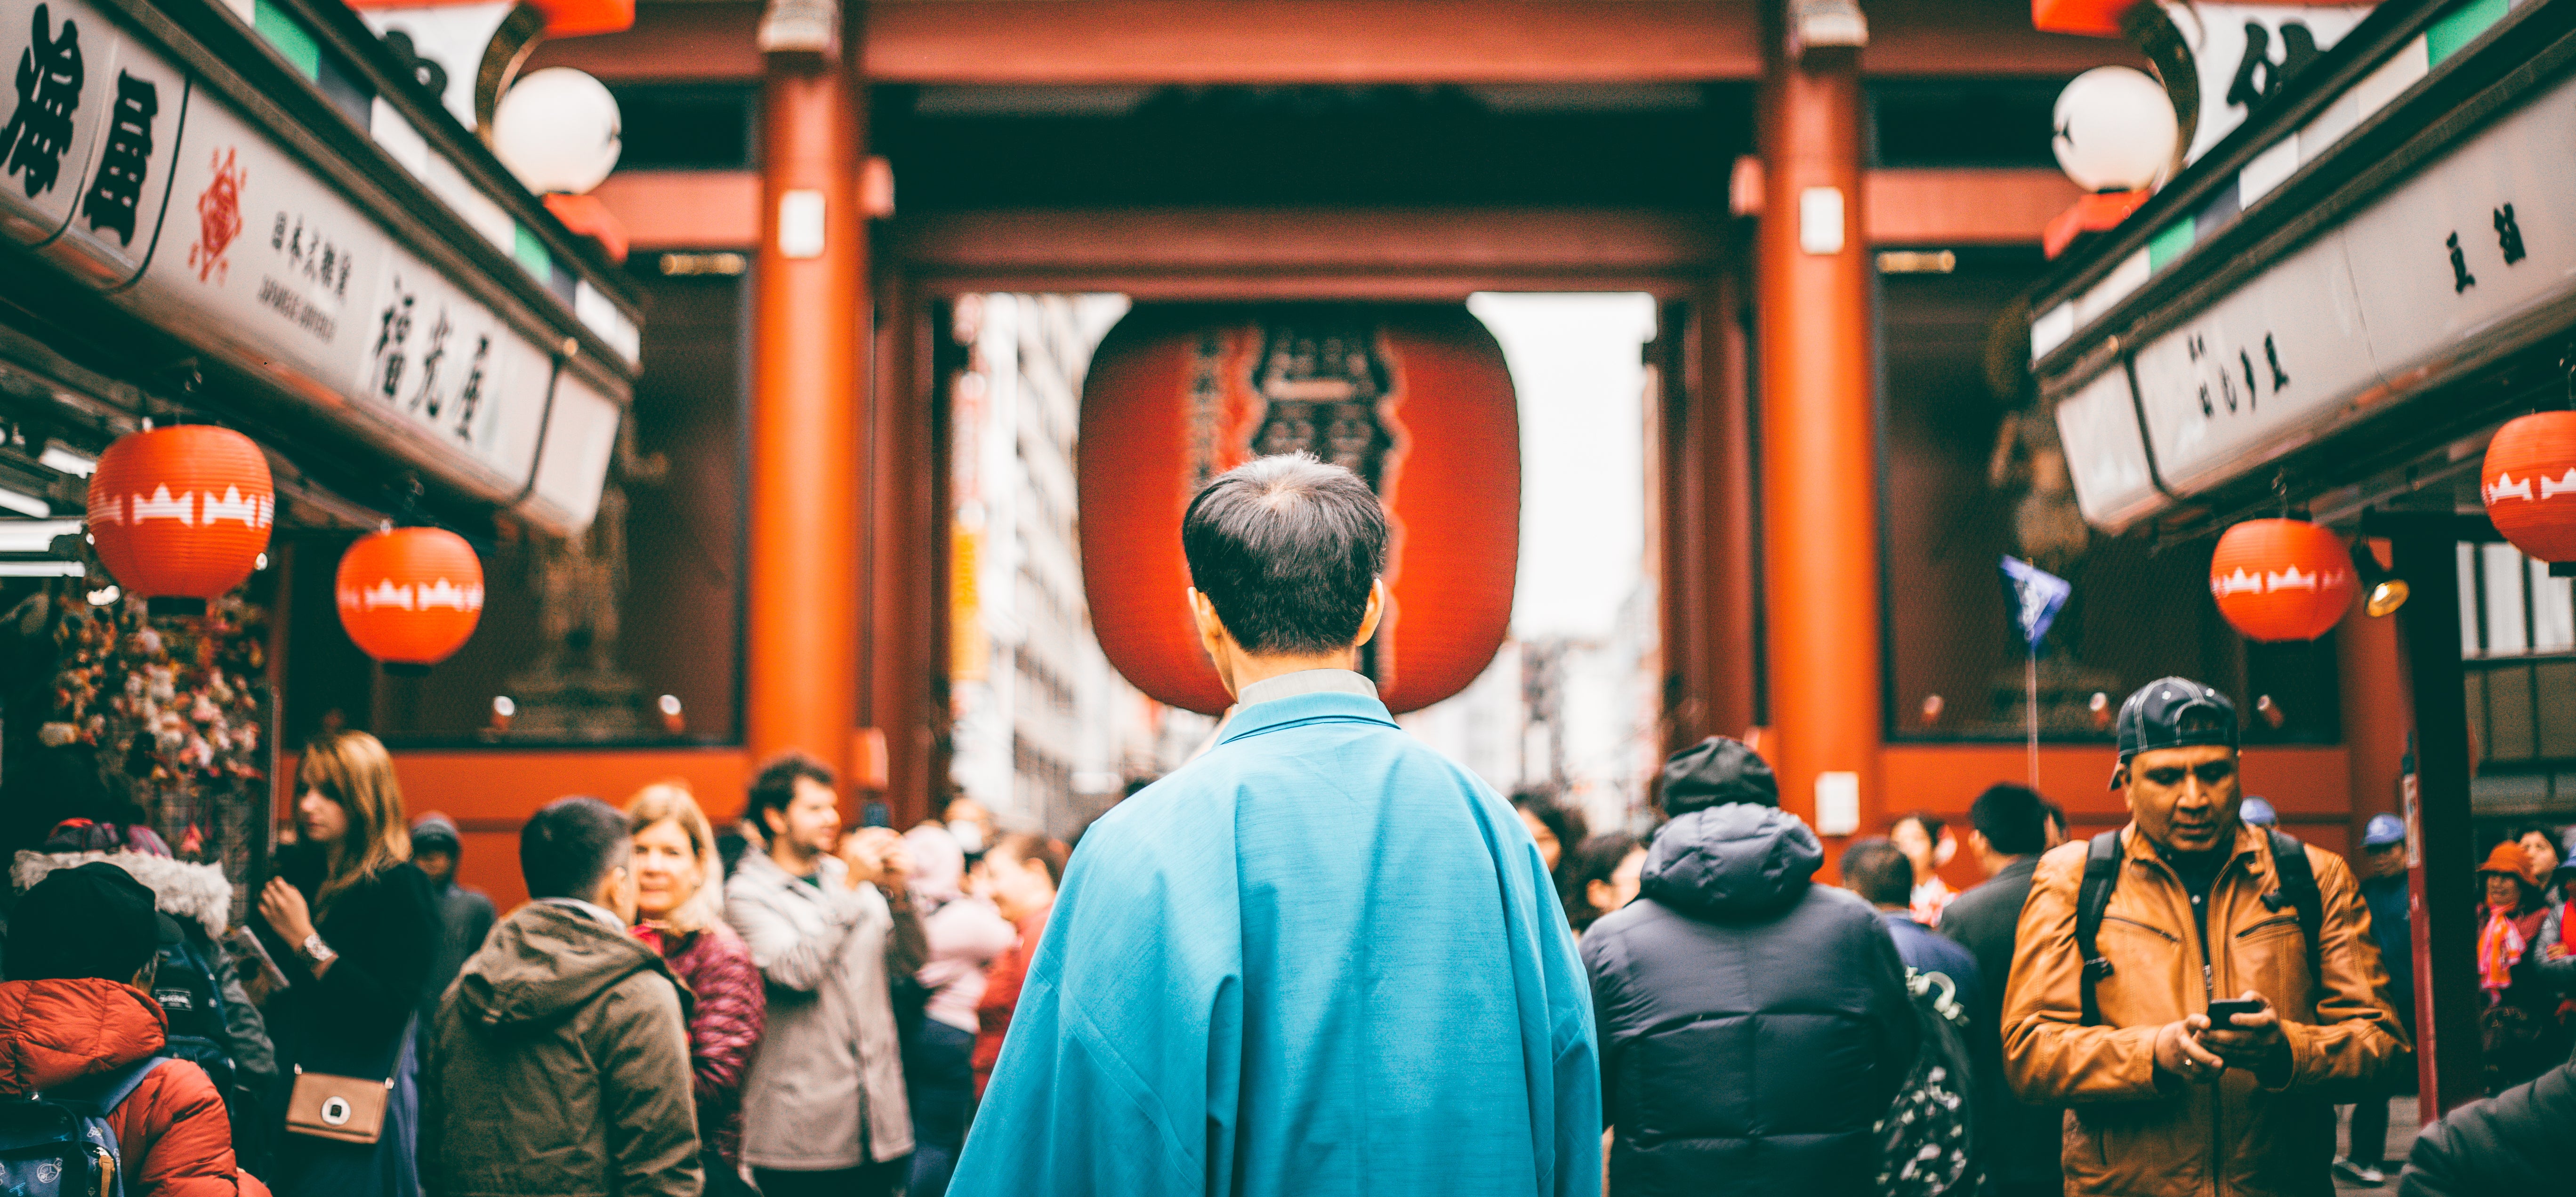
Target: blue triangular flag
{"type": "Point", "coordinates": [2037, 596]}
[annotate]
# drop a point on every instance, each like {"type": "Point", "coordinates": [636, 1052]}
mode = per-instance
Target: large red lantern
{"type": "Point", "coordinates": [181, 514]}
{"type": "Point", "coordinates": [2281, 579]}
{"type": "Point", "coordinates": [2529, 484]}
{"type": "Point", "coordinates": [1415, 398]}
{"type": "Point", "coordinates": [410, 597]}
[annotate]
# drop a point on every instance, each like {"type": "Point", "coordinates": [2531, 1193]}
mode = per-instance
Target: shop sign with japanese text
{"type": "Point", "coordinates": [2477, 248]}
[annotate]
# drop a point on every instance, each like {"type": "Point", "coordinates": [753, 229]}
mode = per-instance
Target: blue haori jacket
{"type": "Point", "coordinates": [1319, 959]}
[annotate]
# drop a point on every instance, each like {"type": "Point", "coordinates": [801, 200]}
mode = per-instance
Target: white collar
{"type": "Point", "coordinates": [1306, 681]}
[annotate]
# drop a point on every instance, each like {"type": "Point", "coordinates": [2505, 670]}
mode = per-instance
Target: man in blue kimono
{"type": "Point", "coordinates": [1318, 959]}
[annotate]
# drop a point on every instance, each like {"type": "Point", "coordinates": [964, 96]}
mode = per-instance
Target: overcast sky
{"type": "Point", "coordinates": [1576, 363]}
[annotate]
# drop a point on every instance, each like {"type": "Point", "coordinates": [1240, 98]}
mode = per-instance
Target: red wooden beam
{"type": "Point", "coordinates": [1310, 41]}
{"type": "Point", "coordinates": [1150, 42]}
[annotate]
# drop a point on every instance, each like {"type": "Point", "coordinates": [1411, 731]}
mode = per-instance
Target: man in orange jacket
{"type": "Point", "coordinates": [2163, 1098]}
{"type": "Point", "coordinates": [81, 950]}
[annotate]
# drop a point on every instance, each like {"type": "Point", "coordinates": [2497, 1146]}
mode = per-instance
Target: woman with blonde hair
{"type": "Point", "coordinates": [679, 899]}
{"type": "Point", "coordinates": [354, 926]}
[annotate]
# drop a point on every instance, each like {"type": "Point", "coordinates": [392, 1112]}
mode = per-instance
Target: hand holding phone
{"type": "Point", "coordinates": [2222, 1013]}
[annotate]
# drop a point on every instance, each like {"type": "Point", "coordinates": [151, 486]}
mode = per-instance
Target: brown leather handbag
{"type": "Point", "coordinates": [350, 1109]}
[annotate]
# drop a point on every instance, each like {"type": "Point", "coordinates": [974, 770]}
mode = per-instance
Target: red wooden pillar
{"type": "Point", "coordinates": [1680, 541]}
{"type": "Point", "coordinates": [1731, 560]}
{"type": "Point", "coordinates": [2368, 663]}
{"type": "Point", "coordinates": [909, 599]}
{"type": "Point", "coordinates": [1819, 438]}
{"type": "Point", "coordinates": [801, 663]}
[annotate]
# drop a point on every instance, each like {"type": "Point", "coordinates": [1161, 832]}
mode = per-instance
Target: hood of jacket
{"type": "Point", "coordinates": [1729, 861]}
{"type": "Point", "coordinates": [58, 1031]}
{"type": "Point", "coordinates": [545, 962]}
{"type": "Point", "coordinates": [179, 889]}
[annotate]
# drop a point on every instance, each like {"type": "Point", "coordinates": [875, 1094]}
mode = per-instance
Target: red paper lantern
{"type": "Point", "coordinates": [2529, 484]}
{"type": "Point", "coordinates": [2281, 579]}
{"type": "Point", "coordinates": [1415, 397]}
{"type": "Point", "coordinates": [410, 597]}
{"type": "Point", "coordinates": [181, 512]}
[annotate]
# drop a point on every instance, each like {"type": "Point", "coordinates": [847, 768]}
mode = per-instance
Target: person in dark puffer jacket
{"type": "Point", "coordinates": [2515, 1142]}
{"type": "Point", "coordinates": [1753, 1025]}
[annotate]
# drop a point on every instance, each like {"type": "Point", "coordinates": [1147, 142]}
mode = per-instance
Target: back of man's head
{"type": "Point", "coordinates": [1286, 549]}
{"type": "Point", "coordinates": [2014, 819]}
{"type": "Point", "coordinates": [1877, 870]}
{"type": "Point", "coordinates": [92, 921]}
{"type": "Point", "coordinates": [570, 845]}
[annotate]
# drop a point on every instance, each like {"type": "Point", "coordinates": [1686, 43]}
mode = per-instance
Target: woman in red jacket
{"type": "Point", "coordinates": [1019, 873]}
{"type": "Point", "coordinates": [679, 909]}
{"type": "Point", "coordinates": [75, 941]}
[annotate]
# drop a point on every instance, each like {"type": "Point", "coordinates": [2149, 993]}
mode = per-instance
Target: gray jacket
{"type": "Point", "coordinates": [829, 1063]}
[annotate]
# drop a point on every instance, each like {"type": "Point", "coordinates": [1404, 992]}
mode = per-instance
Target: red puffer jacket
{"type": "Point", "coordinates": [171, 1132]}
{"type": "Point", "coordinates": [724, 1025]}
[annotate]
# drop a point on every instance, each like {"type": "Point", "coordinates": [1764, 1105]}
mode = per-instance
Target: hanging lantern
{"type": "Point", "coordinates": [410, 597]}
{"type": "Point", "coordinates": [181, 514]}
{"type": "Point", "coordinates": [1416, 399]}
{"type": "Point", "coordinates": [2529, 484]}
{"type": "Point", "coordinates": [2281, 579]}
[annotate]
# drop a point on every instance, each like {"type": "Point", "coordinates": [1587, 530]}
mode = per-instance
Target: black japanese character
{"type": "Point", "coordinates": [426, 399]}
{"type": "Point", "coordinates": [277, 236]}
{"type": "Point", "coordinates": [470, 396]}
{"type": "Point", "coordinates": [2298, 49]}
{"type": "Point", "coordinates": [118, 186]}
{"type": "Point", "coordinates": [393, 329]}
{"type": "Point", "coordinates": [2461, 279]}
{"type": "Point", "coordinates": [49, 87]}
{"type": "Point", "coordinates": [2272, 354]}
{"type": "Point", "coordinates": [2247, 361]}
{"type": "Point", "coordinates": [2509, 235]}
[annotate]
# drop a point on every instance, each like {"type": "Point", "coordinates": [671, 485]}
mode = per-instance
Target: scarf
{"type": "Point", "coordinates": [2500, 946]}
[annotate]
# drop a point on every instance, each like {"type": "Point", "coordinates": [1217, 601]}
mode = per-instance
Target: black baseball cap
{"type": "Point", "coordinates": [2174, 712]}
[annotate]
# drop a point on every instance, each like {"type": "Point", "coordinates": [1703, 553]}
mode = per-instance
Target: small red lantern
{"type": "Point", "coordinates": [410, 597]}
{"type": "Point", "coordinates": [2281, 579]}
{"type": "Point", "coordinates": [2529, 484]}
{"type": "Point", "coordinates": [181, 514]}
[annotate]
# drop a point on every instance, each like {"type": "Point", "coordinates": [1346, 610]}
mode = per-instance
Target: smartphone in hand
{"type": "Point", "coordinates": [2222, 1013]}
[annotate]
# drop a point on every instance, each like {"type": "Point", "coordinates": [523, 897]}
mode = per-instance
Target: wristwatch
{"type": "Point", "coordinates": [316, 952]}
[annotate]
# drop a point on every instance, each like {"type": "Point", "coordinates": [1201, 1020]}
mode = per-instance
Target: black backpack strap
{"type": "Point", "coordinates": [2298, 890]}
{"type": "Point", "coordinates": [2101, 876]}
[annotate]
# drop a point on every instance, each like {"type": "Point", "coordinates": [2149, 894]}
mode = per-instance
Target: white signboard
{"type": "Point", "coordinates": [2098, 425]}
{"type": "Point", "coordinates": [2240, 378]}
{"type": "Point", "coordinates": [92, 128]}
{"type": "Point", "coordinates": [114, 163]}
{"type": "Point", "coordinates": [2473, 254]}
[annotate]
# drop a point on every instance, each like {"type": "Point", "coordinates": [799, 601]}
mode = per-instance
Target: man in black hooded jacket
{"type": "Point", "coordinates": [2514, 1143]}
{"type": "Point", "coordinates": [1753, 1025]}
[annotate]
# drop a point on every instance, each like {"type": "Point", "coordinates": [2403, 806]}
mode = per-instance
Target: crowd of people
{"type": "Point", "coordinates": [1319, 958]}
{"type": "Point", "coordinates": [815, 1018]}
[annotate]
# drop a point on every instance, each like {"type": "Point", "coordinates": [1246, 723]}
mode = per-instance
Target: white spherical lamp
{"type": "Point", "coordinates": [557, 129]}
{"type": "Point", "coordinates": [2115, 130]}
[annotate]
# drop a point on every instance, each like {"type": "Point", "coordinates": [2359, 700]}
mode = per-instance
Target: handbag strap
{"type": "Point", "coordinates": [393, 1070]}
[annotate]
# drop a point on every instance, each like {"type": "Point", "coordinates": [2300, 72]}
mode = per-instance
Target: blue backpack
{"type": "Point", "coordinates": [57, 1143]}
